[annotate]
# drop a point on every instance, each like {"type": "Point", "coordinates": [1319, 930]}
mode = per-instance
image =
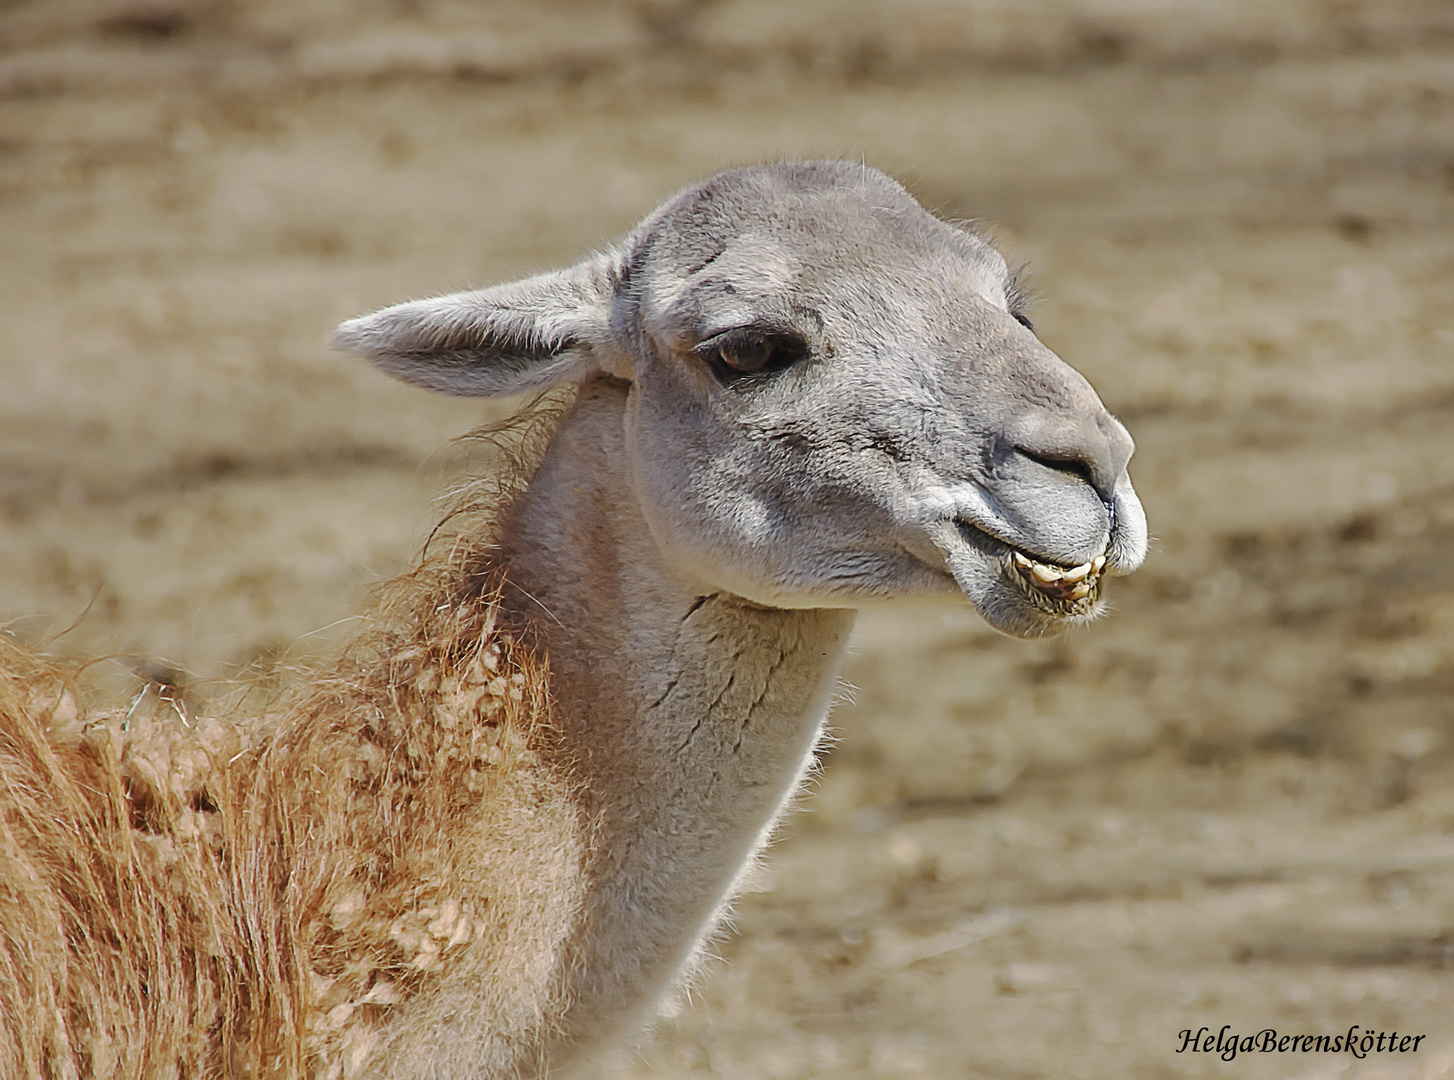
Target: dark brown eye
{"type": "Point", "coordinates": [751, 351]}
{"type": "Point", "coordinates": [1024, 320]}
{"type": "Point", "coordinates": [747, 357]}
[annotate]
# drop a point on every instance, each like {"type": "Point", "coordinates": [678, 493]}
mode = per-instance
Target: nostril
{"type": "Point", "coordinates": [1069, 464]}
{"type": "Point", "coordinates": [1090, 446]}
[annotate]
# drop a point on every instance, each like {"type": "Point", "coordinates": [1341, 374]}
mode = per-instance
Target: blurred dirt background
{"type": "Point", "coordinates": [1230, 803]}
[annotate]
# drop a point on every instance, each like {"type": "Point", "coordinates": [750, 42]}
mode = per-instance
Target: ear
{"type": "Point", "coordinates": [508, 339]}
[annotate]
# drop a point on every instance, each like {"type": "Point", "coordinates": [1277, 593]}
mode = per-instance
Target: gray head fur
{"type": "Point", "coordinates": [833, 401]}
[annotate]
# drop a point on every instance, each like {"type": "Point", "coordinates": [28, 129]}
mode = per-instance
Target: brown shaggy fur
{"type": "Point", "coordinates": [205, 897]}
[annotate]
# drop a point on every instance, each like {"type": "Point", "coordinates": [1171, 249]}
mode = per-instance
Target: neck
{"type": "Point", "coordinates": [686, 715]}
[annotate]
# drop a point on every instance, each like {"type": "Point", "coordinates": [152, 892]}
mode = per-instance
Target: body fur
{"type": "Point", "coordinates": [261, 896]}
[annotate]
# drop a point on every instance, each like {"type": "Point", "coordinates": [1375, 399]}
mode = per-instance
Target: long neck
{"type": "Point", "coordinates": [687, 716]}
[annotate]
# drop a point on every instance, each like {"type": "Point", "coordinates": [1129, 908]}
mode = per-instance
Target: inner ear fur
{"type": "Point", "coordinates": [507, 339]}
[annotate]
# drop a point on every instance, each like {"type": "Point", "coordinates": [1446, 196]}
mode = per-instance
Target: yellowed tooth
{"type": "Point", "coordinates": [1098, 564]}
{"type": "Point", "coordinates": [1021, 560]}
{"type": "Point", "coordinates": [1045, 573]}
{"type": "Point", "coordinates": [1081, 591]}
{"type": "Point", "coordinates": [1077, 574]}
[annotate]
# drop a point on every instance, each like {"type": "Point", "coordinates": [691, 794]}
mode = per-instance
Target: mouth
{"type": "Point", "coordinates": [1056, 594]}
{"type": "Point", "coordinates": [1069, 590]}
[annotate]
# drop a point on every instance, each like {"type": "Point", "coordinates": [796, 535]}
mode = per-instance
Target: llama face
{"type": "Point", "coordinates": [833, 401]}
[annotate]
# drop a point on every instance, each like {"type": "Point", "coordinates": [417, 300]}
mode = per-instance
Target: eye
{"type": "Point", "coordinates": [751, 351]}
{"type": "Point", "coordinates": [1023, 320]}
{"type": "Point", "coordinates": [747, 357]}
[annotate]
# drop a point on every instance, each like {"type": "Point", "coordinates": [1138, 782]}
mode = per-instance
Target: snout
{"type": "Point", "coordinates": [1059, 476]}
{"type": "Point", "coordinates": [1049, 510]}
{"type": "Point", "coordinates": [1056, 491]}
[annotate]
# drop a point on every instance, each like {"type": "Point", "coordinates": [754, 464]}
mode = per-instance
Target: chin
{"type": "Point", "coordinates": [1016, 616]}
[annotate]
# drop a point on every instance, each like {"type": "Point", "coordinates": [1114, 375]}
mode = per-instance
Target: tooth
{"type": "Point", "coordinates": [1078, 574]}
{"type": "Point", "coordinates": [1021, 560]}
{"type": "Point", "coordinates": [1098, 564]}
{"type": "Point", "coordinates": [1045, 573]}
{"type": "Point", "coordinates": [1081, 591]}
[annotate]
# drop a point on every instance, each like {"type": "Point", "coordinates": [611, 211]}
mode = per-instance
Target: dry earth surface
{"type": "Point", "coordinates": [1231, 803]}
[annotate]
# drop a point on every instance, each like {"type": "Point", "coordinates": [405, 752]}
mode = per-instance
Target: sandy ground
{"type": "Point", "coordinates": [1230, 803]}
